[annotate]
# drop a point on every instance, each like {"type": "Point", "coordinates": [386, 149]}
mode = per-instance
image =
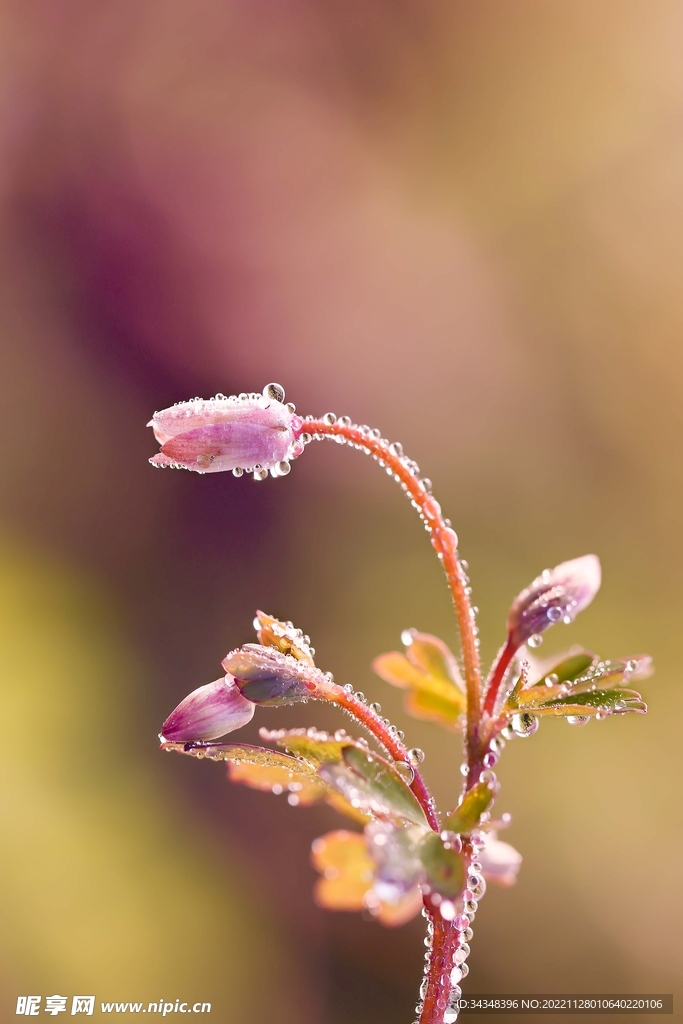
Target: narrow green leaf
{"type": "Point", "coordinates": [468, 813]}
{"type": "Point", "coordinates": [609, 702]}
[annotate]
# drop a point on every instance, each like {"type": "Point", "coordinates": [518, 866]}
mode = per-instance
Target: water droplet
{"type": "Point", "coordinates": [423, 988]}
{"type": "Point", "coordinates": [237, 471]}
{"type": "Point", "coordinates": [329, 418]}
{"type": "Point", "coordinates": [554, 613]}
{"type": "Point", "coordinates": [490, 759]}
{"type": "Point", "coordinates": [578, 719]}
{"type": "Point", "coordinates": [348, 687]}
{"type": "Point", "coordinates": [488, 777]}
{"type": "Point", "coordinates": [283, 468]}
{"type": "Point", "coordinates": [462, 922]}
{"type": "Point", "coordinates": [524, 724]}
{"type": "Point", "coordinates": [293, 799]}
{"type": "Point", "coordinates": [415, 756]}
{"type": "Point", "coordinates": [360, 696]}
{"type": "Point", "coordinates": [428, 941]}
{"type": "Point", "coordinates": [260, 474]}
{"type": "Point", "coordinates": [376, 707]}
{"type": "Point", "coordinates": [535, 641]}
{"type": "Point", "coordinates": [407, 637]}
{"type": "Point", "coordinates": [405, 771]}
{"type": "Point", "coordinates": [476, 886]}
{"type": "Point", "coordinates": [461, 953]}
{"type": "Point", "coordinates": [552, 680]}
{"type": "Point", "coordinates": [464, 768]}
{"type": "Point", "coordinates": [396, 448]}
{"type": "Point", "coordinates": [275, 392]}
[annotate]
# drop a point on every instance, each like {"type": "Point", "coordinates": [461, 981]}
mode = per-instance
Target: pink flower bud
{"type": "Point", "coordinates": [209, 712]}
{"type": "Point", "coordinates": [241, 433]}
{"type": "Point", "coordinates": [557, 595]}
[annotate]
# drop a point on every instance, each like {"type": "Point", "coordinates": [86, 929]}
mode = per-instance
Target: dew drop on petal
{"type": "Point", "coordinates": [535, 641]}
{"type": "Point", "coordinates": [578, 719]}
{"type": "Point", "coordinates": [275, 392]}
{"type": "Point", "coordinates": [554, 613]}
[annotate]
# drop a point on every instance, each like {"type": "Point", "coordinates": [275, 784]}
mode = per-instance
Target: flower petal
{"type": "Point", "coordinates": [556, 595]}
{"type": "Point", "coordinates": [500, 862]}
{"type": "Point", "coordinates": [218, 434]}
{"type": "Point", "coordinates": [208, 712]}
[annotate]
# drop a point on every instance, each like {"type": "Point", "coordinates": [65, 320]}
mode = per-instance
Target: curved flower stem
{"type": "Point", "coordinates": [444, 541]}
{"type": "Point", "coordinates": [496, 677]}
{"type": "Point", "coordinates": [378, 728]}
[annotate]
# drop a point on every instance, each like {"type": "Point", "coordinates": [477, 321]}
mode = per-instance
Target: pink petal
{"type": "Point", "coordinates": [208, 712]}
{"type": "Point", "coordinates": [218, 434]}
{"type": "Point", "coordinates": [500, 862]}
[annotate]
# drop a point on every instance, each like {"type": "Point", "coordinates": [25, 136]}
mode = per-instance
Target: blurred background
{"type": "Point", "coordinates": [462, 223]}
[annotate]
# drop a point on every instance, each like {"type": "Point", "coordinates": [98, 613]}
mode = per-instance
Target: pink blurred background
{"type": "Point", "coordinates": [462, 223]}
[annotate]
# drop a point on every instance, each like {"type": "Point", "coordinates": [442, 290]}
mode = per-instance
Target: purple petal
{"type": "Point", "coordinates": [556, 595]}
{"type": "Point", "coordinates": [208, 712]}
{"type": "Point", "coordinates": [218, 434]}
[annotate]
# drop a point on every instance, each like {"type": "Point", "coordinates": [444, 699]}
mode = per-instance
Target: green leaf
{"type": "Point", "coordinates": [569, 668]}
{"type": "Point", "coordinates": [445, 869]}
{"type": "Point", "coordinates": [468, 813]}
{"type": "Point", "coordinates": [593, 702]}
{"type": "Point", "coordinates": [373, 786]}
{"type": "Point", "coordinates": [319, 748]}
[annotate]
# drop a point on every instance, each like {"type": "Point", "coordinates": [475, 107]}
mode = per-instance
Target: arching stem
{"type": "Point", "coordinates": [391, 742]}
{"type": "Point", "coordinates": [444, 541]}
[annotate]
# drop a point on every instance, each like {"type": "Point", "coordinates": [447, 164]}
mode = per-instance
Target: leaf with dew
{"type": "Point", "coordinates": [470, 809]}
{"type": "Point", "coordinates": [373, 785]}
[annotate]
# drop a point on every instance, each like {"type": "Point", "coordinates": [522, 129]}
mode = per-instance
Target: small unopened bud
{"type": "Point", "coordinates": [242, 432]}
{"type": "Point", "coordinates": [267, 676]}
{"type": "Point", "coordinates": [208, 712]}
{"type": "Point", "coordinates": [557, 595]}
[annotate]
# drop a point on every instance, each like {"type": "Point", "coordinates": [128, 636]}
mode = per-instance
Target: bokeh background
{"type": "Point", "coordinates": [462, 223]}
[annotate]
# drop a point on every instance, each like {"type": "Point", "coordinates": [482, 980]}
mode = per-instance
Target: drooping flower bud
{"type": "Point", "coordinates": [242, 433]}
{"type": "Point", "coordinates": [208, 712]}
{"type": "Point", "coordinates": [267, 676]}
{"type": "Point", "coordinates": [557, 595]}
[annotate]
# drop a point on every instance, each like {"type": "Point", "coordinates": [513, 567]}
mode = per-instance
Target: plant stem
{"type": "Point", "coordinates": [496, 677]}
{"type": "Point", "coordinates": [377, 727]}
{"type": "Point", "coordinates": [445, 941]}
{"type": "Point", "coordinates": [444, 541]}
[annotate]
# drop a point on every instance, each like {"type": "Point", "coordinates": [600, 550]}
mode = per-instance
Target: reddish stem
{"type": "Point", "coordinates": [375, 725]}
{"type": "Point", "coordinates": [445, 542]}
{"type": "Point", "coordinates": [497, 675]}
{"type": "Point", "coordinates": [445, 941]}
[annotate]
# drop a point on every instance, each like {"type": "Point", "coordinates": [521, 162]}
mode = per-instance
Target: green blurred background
{"type": "Point", "coordinates": [460, 222]}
